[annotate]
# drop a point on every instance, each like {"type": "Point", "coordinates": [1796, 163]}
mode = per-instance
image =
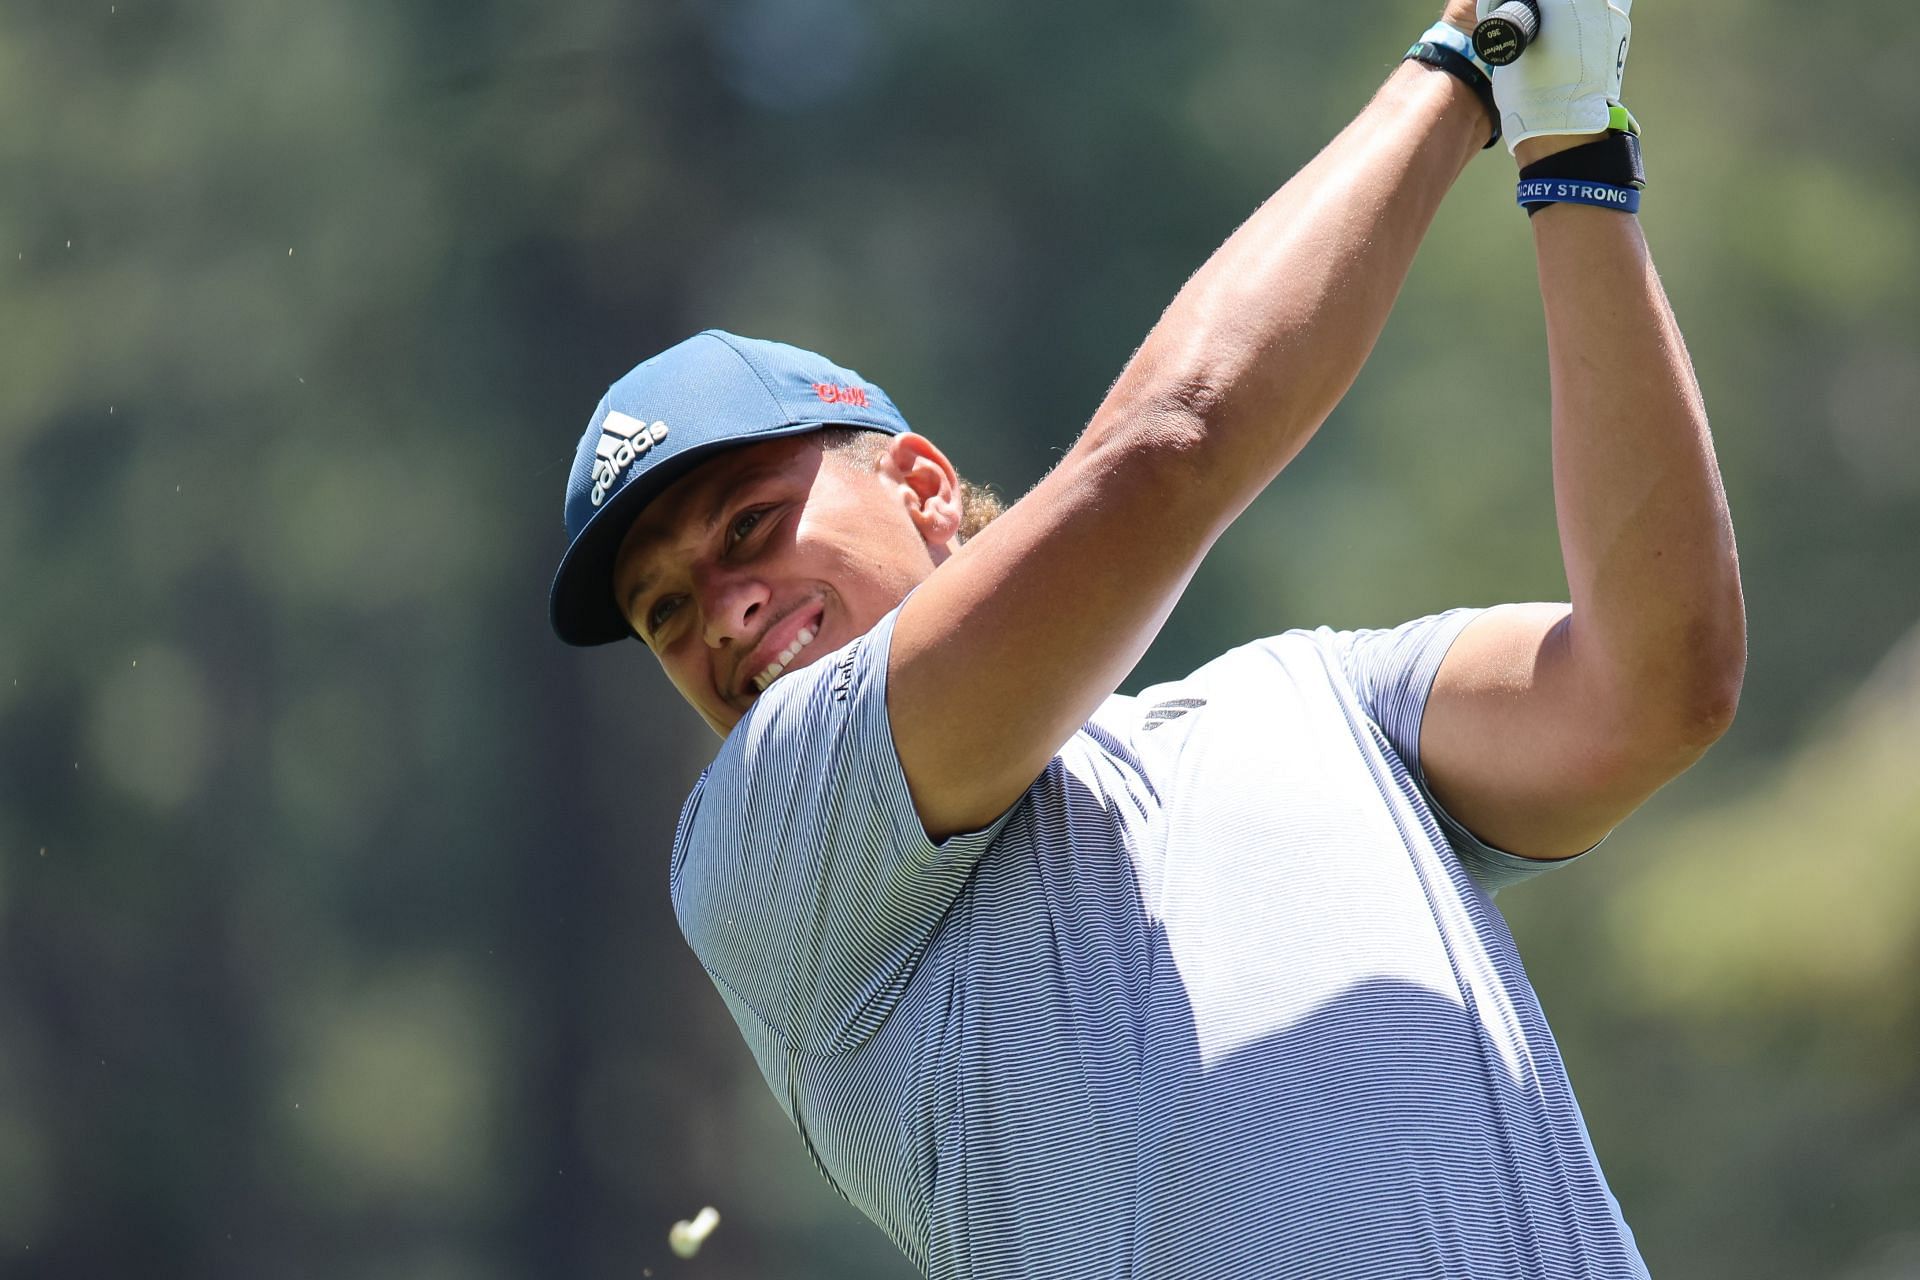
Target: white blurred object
{"type": "Point", "coordinates": [686, 1237]}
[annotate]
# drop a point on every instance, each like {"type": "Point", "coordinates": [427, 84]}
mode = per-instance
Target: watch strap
{"type": "Point", "coordinates": [1450, 50]}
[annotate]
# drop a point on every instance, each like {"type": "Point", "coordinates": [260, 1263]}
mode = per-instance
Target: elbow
{"type": "Point", "coordinates": [1716, 701]}
{"type": "Point", "coordinates": [1650, 719]}
{"type": "Point", "coordinates": [1695, 705]}
{"type": "Point", "coordinates": [1652, 739]}
{"type": "Point", "coordinates": [1690, 692]}
{"type": "Point", "coordinates": [1185, 390]}
{"type": "Point", "coordinates": [1719, 672]}
{"type": "Point", "coordinates": [1195, 398]}
{"type": "Point", "coordinates": [1168, 408]}
{"type": "Point", "coordinates": [1160, 427]}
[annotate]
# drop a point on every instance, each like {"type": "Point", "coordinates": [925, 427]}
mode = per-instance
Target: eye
{"type": "Point", "coordinates": [663, 610]}
{"type": "Point", "coordinates": [744, 524]}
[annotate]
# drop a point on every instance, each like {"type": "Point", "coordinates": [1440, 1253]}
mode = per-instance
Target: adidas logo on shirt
{"type": "Point", "coordinates": [622, 439]}
{"type": "Point", "coordinates": [1170, 711]}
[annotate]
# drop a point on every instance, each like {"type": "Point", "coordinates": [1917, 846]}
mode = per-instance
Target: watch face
{"type": "Point", "coordinates": [1499, 41]}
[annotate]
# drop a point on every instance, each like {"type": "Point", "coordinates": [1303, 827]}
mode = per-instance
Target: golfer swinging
{"type": "Point", "coordinates": [1203, 984]}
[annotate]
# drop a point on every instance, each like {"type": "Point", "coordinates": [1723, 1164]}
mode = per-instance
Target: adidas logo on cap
{"type": "Point", "coordinates": [622, 439]}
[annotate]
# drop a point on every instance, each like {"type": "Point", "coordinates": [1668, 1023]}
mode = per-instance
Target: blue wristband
{"type": "Point", "coordinates": [1601, 195]}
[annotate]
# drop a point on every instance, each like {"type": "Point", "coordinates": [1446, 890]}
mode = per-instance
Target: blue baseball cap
{"type": "Point", "coordinates": [713, 392]}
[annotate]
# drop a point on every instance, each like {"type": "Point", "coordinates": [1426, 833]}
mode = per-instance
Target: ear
{"type": "Point", "coordinates": [930, 488]}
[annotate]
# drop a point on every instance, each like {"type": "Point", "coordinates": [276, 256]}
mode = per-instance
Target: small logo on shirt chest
{"type": "Point", "coordinates": [1165, 712]}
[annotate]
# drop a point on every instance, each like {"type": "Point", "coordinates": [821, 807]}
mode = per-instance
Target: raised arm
{"type": "Point", "coordinates": [1548, 724]}
{"type": "Point", "coordinates": [1010, 645]}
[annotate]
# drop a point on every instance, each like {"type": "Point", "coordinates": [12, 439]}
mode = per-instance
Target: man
{"type": "Point", "coordinates": [1205, 982]}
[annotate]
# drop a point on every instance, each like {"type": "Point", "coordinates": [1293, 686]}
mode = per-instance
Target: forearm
{"type": "Point", "coordinates": [1267, 336]}
{"type": "Point", "coordinates": [1657, 619]}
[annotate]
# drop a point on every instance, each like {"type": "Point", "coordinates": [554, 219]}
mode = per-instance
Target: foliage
{"type": "Point", "coordinates": [333, 934]}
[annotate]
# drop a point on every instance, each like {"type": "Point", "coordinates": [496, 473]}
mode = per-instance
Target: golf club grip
{"type": "Point", "coordinates": [1504, 34]}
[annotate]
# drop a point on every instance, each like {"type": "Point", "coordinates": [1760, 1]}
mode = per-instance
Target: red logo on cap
{"type": "Point", "coordinates": [834, 393]}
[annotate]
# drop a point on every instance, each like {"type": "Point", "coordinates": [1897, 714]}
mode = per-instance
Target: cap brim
{"type": "Point", "coordinates": [581, 604]}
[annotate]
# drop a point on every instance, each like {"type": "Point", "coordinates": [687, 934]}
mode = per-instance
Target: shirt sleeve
{"type": "Point", "coordinates": [1392, 671]}
{"type": "Point", "coordinates": [802, 875]}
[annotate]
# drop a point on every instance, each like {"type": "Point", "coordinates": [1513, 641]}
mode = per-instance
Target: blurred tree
{"type": "Point", "coordinates": [333, 933]}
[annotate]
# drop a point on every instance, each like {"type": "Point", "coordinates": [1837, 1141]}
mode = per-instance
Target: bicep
{"type": "Point", "coordinates": [1009, 646]}
{"type": "Point", "coordinates": [1529, 749]}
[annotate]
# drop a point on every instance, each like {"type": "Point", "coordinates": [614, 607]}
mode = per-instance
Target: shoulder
{"type": "Point", "coordinates": [806, 714]}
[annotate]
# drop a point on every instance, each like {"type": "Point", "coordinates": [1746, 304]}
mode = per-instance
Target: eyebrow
{"type": "Point", "coordinates": [715, 510]}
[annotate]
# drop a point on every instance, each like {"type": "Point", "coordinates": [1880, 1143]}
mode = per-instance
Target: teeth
{"type": "Point", "coordinates": [800, 642]}
{"type": "Point", "coordinates": [779, 664]}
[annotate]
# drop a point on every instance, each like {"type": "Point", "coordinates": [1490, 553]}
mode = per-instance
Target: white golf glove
{"type": "Point", "coordinates": [1570, 75]}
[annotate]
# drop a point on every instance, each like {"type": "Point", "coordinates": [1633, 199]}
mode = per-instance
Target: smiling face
{"type": "Point", "coordinates": [773, 555]}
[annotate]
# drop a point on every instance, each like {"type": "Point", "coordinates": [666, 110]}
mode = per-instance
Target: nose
{"type": "Point", "coordinates": [730, 604]}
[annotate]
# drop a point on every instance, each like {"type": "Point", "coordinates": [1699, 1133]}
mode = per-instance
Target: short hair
{"type": "Point", "coordinates": [979, 504]}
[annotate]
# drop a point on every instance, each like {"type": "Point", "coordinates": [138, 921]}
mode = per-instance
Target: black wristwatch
{"type": "Point", "coordinates": [1455, 63]}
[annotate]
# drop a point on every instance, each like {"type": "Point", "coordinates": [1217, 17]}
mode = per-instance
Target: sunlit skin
{"type": "Point", "coordinates": [723, 571]}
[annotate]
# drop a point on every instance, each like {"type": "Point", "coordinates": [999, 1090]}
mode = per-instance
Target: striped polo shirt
{"type": "Point", "coordinates": [1223, 996]}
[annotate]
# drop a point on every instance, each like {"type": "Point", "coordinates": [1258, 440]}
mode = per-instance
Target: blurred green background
{"type": "Point", "coordinates": [333, 930]}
